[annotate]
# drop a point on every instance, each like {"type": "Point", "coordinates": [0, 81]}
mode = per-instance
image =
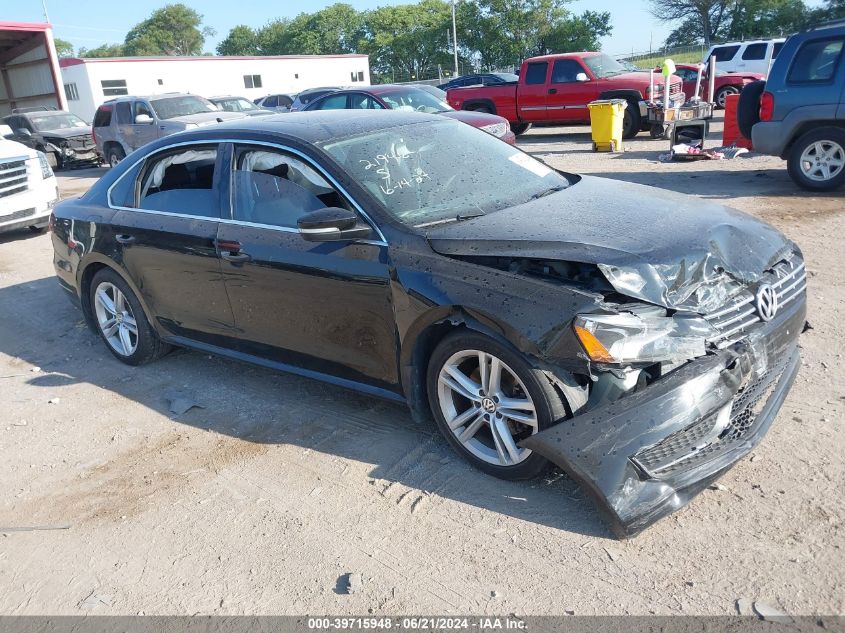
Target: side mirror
{"type": "Point", "coordinates": [143, 118]}
{"type": "Point", "coordinates": [22, 131]}
{"type": "Point", "coordinates": [6, 131]}
{"type": "Point", "coordinates": [582, 77]}
{"type": "Point", "coordinates": [331, 224]}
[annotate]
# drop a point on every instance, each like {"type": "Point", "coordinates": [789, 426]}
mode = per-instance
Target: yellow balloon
{"type": "Point", "coordinates": [668, 68]}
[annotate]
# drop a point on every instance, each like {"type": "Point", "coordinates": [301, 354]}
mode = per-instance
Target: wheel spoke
{"type": "Point", "coordinates": [119, 302]}
{"type": "Point", "coordinates": [462, 418]}
{"type": "Point", "coordinates": [500, 429]}
{"type": "Point", "coordinates": [130, 324]}
{"type": "Point", "coordinates": [125, 340]}
{"type": "Point", "coordinates": [461, 383]}
{"type": "Point", "coordinates": [519, 404]}
{"type": "Point", "coordinates": [110, 327]}
{"type": "Point", "coordinates": [106, 301]}
{"type": "Point", "coordinates": [494, 379]}
{"type": "Point", "coordinates": [471, 430]}
{"type": "Point", "coordinates": [500, 448]}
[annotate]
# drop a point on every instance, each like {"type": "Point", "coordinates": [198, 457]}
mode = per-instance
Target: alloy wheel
{"type": "Point", "coordinates": [823, 160]}
{"type": "Point", "coordinates": [114, 159]}
{"type": "Point", "coordinates": [486, 406]}
{"type": "Point", "coordinates": [116, 319]}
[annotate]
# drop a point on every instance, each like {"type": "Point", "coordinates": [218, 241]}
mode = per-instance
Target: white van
{"type": "Point", "coordinates": [745, 57]}
{"type": "Point", "coordinates": [28, 188]}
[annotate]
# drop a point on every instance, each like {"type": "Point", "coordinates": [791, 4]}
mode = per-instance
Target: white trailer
{"type": "Point", "coordinates": [29, 68]}
{"type": "Point", "coordinates": [88, 82]}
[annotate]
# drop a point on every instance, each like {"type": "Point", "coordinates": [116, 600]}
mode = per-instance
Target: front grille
{"type": "Point", "coordinates": [688, 447]}
{"type": "Point", "coordinates": [17, 215]}
{"type": "Point", "coordinates": [82, 142]}
{"type": "Point", "coordinates": [788, 279]}
{"type": "Point", "coordinates": [13, 177]}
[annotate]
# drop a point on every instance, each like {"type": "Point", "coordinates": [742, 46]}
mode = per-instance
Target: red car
{"type": "Point", "coordinates": [726, 83]}
{"type": "Point", "coordinates": [410, 99]}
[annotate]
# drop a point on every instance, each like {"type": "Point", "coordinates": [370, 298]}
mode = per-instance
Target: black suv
{"type": "Point", "coordinates": [63, 137]}
{"type": "Point", "coordinates": [799, 112]}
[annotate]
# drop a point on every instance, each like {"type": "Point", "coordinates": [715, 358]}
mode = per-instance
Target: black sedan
{"type": "Point", "coordinates": [640, 339]}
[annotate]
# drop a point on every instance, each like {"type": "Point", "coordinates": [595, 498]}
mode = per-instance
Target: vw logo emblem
{"type": "Point", "coordinates": [767, 302]}
{"type": "Point", "coordinates": [488, 405]}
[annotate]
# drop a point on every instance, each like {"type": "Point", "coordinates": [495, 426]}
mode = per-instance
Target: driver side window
{"type": "Point", "coordinates": [276, 189]}
{"type": "Point", "coordinates": [142, 108]}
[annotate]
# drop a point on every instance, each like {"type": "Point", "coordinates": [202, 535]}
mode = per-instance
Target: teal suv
{"type": "Point", "coordinates": [799, 112]}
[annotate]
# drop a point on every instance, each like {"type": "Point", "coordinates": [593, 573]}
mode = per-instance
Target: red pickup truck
{"type": "Point", "coordinates": [557, 88]}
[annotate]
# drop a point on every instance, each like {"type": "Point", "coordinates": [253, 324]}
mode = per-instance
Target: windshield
{"type": "Point", "coordinates": [236, 105]}
{"type": "Point", "coordinates": [442, 171]}
{"type": "Point", "coordinates": [604, 65]}
{"type": "Point", "coordinates": [172, 107]}
{"type": "Point", "coordinates": [410, 99]}
{"type": "Point", "coordinates": [56, 122]}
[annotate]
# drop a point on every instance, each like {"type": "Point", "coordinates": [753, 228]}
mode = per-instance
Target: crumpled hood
{"type": "Point", "coordinates": [66, 132]}
{"type": "Point", "coordinates": [655, 245]}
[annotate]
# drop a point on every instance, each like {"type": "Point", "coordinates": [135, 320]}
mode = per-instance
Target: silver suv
{"type": "Point", "coordinates": [124, 124]}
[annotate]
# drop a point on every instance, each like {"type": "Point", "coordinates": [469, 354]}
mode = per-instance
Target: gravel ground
{"type": "Point", "coordinates": [265, 497]}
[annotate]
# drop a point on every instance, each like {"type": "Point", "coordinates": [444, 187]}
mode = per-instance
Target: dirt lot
{"type": "Point", "coordinates": [262, 500]}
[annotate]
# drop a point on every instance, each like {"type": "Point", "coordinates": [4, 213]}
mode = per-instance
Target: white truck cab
{"type": "Point", "coordinates": [28, 188]}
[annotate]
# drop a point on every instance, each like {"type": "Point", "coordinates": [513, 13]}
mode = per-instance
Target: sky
{"type": "Point", "coordinates": [90, 23]}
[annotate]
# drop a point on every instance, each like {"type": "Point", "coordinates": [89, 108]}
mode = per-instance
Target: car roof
{"type": "Point", "coordinates": [765, 41]}
{"type": "Point", "coordinates": [315, 126]}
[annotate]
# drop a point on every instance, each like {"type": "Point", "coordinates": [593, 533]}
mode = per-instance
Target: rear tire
{"type": "Point", "coordinates": [114, 155]}
{"type": "Point", "coordinates": [476, 417]}
{"type": "Point", "coordinates": [121, 320]}
{"type": "Point", "coordinates": [748, 108]}
{"type": "Point", "coordinates": [816, 161]}
{"type": "Point", "coordinates": [632, 122]}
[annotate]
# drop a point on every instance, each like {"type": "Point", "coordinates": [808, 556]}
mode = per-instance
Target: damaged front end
{"type": "Point", "coordinates": [653, 436]}
{"type": "Point", "coordinates": [73, 151]}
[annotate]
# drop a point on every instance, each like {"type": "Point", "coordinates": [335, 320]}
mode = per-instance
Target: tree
{"type": "Point", "coordinates": [105, 50]}
{"type": "Point", "coordinates": [766, 18]}
{"type": "Point", "coordinates": [174, 29]}
{"type": "Point", "coordinates": [241, 40]}
{"type": "Point", "coordinates": [63, 47]}
{"type": "Point", "coordinates": [579, 33]}
{"type": "Point", "coordinates": [711, 15]}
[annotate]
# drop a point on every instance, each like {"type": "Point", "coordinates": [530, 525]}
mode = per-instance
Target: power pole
{"type": "Point", "coordinates": [455, 38]}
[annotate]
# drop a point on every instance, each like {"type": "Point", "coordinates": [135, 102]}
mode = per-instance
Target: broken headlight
{"type": "Point", "coordinates": [497, 129]}
{"type": "Point", "coordinates": [642, 338]}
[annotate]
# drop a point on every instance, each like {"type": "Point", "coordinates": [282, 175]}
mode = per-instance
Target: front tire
{"type": "Point", "coordinates": [520, 128]}
{"type": "Point", "coordinates": [121, 321]}
{"type": "Point", "coordinates": [722, 95]}
{"type": "Point", "coordinates": [632, 122]}
{"type": "Point", "coordinates": [486, 398]}
{"type": "Point", "coordinates": [816, 161]}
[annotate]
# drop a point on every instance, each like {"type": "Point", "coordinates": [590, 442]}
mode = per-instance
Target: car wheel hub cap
{"type": "Point", "coordinates": [823, 160]}
{"type": "Point", "coordinates": [486, 407]}
{"type": "Point", "coordinates": [116, 319]}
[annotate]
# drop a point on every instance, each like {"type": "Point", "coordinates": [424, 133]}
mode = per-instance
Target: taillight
{"type": "Point", "coordinates": [94, 135]}
{"type": "Point", "coordinates": [767, 106]}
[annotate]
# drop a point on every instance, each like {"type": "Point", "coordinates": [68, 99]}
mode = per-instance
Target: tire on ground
{"type": "Point", "coordinates": [836, 160]}
{"type": "Point", "coordinates": [520, 128]}
{"type": "Point", "coordinates": [632, 124]}
{"type": "Point", "coordinates": [150, 347]}
{"type": "Point", "coordinates": [547, 401]}
{"type": "Point", "coordinates": [114, 154]}
{"type": "Point", "coordinates": [748, 108]}
{"type": "Point", "coordinates": [722, 94]}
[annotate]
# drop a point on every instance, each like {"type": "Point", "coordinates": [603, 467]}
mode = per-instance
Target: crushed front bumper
{"type": "Point", "coordinates": [649, 453]}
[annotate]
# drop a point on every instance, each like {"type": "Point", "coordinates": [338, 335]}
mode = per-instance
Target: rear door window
{"type": "Point", "coordinates": [335, 102]}
{"type": "Point", "coordinates": [776, 49]}
{"type": "Point", "coordinates": [755, 51]}
{"type": "Point", "coordinates": [270, 102]}
{"type": "Point", "coordinates": [816, 61]}
{"type": "Point", "coordinates": [536, 73]}
{"type": "Point", "coordinates": [724, 53]}
{"type": "Point", "coordinates": [123, 111]}
{"type": "Point", "coordinates": [181, 182]}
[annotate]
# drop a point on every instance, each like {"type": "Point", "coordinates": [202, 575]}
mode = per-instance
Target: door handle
{"type": "Point", "coordinates": [124, 239]}
{"type": "Point", "coordinates": [230, 250]}
{"type": "Point", "coordinates": [236, 258]}
{"type": "Point", "coordinates": [552, 91]}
